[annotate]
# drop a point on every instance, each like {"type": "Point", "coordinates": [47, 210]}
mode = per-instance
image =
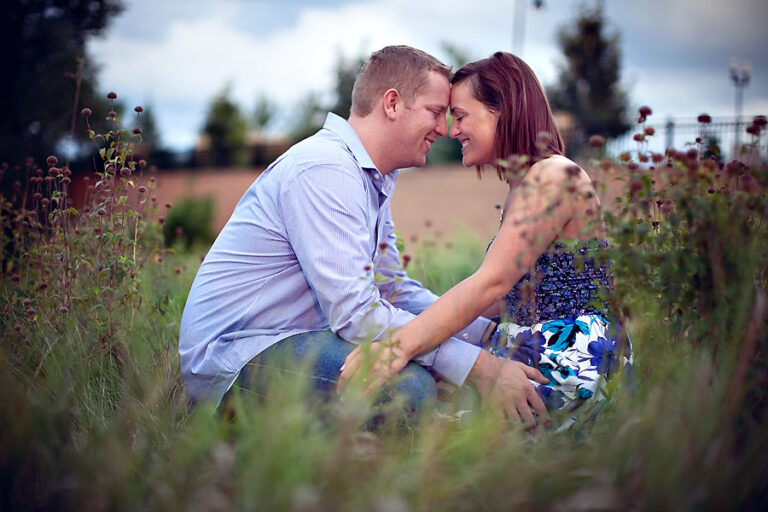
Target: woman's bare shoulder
{"type": "Point", "coordinates": [557, 169]}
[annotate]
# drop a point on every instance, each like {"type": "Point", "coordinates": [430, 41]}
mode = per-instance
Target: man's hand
{"type": "Point", "coordinates": [505, 384]}
{"type": "Point", "coordinates": [374, 363]}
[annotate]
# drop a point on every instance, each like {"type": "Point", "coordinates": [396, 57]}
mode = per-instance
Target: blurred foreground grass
{"type": "Point", "coordinates": [95, 416]}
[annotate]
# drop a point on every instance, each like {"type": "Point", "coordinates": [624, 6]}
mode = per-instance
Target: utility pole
{"type": "Point", "coordinates": [740, 74]}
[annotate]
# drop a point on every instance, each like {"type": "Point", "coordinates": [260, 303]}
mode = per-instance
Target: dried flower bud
{"type": "Point", "coordinates": [45, 201]}
{"type": "Point", "coordinates": [101, 212]}
{"type": "Point", "coordinates": [753, 129]}
{"type": "Point", "coordinates": [632, 166]}
{"type": "Point", "coordinates": [112, 114]}
{"type": "Point", "coordinates": [37, 196]}
{"type": "Point", "coordinates": [638, 137]}
{"type": "Point", "coordinates": [383, 246]}
{"type": "Point", "coordinates": [65, 180]}
{"type": "Point", "coordinates": [650, 130]}
{"type": "Point", "coordinates": [51, 161]}
{"type": "Point", "coordinates": [112, 96]}
{"type": "Point", "coordinates": [138, 109]}
{"type": "Point", "coordinates": [645, 111]}
{"type": "Point", "coordinates": [66, 172]}
{"type": "Point", "coordinates": [625, 156]}
{"type": "Point", "coordinates": [406, 260]}
{"type": "Point", "coordinates": [26, 303]}
{"type": "Point", "coordinates": [125, 172]}
{"type": "Point", "coordinates": [760, 121]}
{"type": "Point", "coordinates": [643, 158]}
{"type": "Point", "coordinates": [31, 312]}
{"type": "Point", "coordinates": [142, 164]}
{"type": "Point", "coordinates": [596, 141]}
{"type": "Point", "coordinates": [137, 131]}
{"type": "Point", "coordinates": [63, 310]}
{"type": "Point", "coordinates": [692, 154]}
{"type": "Point", "coordinates": [151, 179]}
{"type": "Point", "coordinates": [17, 327]}
{"type": "Point", "coordinates": [142, 189]}
{"type": "Point", "coordinates": [168, 206]}
{"type": "Point", "coordinates": [161, 220]}
{"type": "Point", "coordinates": [657, 157]}
{"type": "Point", "coordinates": [704, 118]}
{"type": "Point", "coordinates": [367, 268]}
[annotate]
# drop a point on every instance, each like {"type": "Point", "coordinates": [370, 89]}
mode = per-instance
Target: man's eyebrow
{"type": "Point", "coordinates": [438, 106]}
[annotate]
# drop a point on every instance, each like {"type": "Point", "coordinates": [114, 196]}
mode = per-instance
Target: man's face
{"type": "Point", "coordinates": [423, 121]}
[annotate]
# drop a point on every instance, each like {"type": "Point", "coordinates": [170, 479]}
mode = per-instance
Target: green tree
{"type": "Point", "coordinates": [589, 86]}
{"type": "Point", "coordinates": [45, 69]}
{"type": "Point", "coordinates": [225, 125]}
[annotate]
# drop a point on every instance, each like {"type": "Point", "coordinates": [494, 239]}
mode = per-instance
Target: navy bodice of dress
{"type": "Point", "coordinates": [566, 282]}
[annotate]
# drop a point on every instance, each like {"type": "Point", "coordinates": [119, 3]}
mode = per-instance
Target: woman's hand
{"type": "Point", "coordinates": [375, 363]}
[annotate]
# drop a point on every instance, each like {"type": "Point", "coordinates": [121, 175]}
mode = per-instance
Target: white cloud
{"type": "Point", "coordinates": [201, 48]}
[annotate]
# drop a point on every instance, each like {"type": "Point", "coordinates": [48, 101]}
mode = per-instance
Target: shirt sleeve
{"type": "Point", "coordinates": [326, 217]}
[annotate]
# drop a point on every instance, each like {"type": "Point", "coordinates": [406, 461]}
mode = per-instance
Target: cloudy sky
{"type": "Point", "coordinates": [175, 55]}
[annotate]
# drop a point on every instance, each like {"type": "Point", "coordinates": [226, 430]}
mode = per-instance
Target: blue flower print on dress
{"type": "Point", "coordinates": [530, 346]}
{"type": "Point", "coordinates": [604, 356]}
{"type": "Point", "coordinates": [552, 398]}
{"type": "Point", "coordinates": [564, 332]}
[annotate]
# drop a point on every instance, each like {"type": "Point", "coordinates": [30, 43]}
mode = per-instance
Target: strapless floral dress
{"type": "Point", "coordinates": [558, 321]}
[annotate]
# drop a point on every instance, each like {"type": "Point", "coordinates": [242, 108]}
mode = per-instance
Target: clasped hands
{"type": "Point", "coordinates": [504, 384]}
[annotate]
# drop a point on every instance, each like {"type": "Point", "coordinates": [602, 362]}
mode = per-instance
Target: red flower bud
{"type": "Point", "coordinates": [645, 111]}
{"type": "Point", "coordinates": [137, 131]}
{"type": "Point", "coordinates": [51, 161]}
{"type": "Point", "coordinates": [112, 96]}
{"type": "Point", "coordinates": [138, 109]}
{"type": "Point", "coordinates": [86, 112]}
{"type": "Point", "coordinates": [704, 118]}
{"type": "Point", "coordinates": [596, 141]}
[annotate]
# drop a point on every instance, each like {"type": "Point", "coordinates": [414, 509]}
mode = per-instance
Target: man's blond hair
{"type": "Point", "coordinates": [393, 67]}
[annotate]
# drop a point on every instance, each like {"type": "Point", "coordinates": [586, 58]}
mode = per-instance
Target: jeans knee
{"type": "Point", "coordinates": [416, 387]}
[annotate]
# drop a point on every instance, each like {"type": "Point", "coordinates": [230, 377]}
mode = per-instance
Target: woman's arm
{"type": "Point", "coordinates": [541, 205]}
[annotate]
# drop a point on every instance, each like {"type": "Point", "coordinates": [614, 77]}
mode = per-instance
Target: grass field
{"type": "Point", "coordinates": [95, 416]}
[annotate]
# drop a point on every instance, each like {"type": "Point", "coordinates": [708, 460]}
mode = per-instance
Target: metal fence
{"type": "Point", "coordinates": [725, 137]}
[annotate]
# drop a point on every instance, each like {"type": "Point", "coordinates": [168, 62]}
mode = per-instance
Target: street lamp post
{"type": "Point", "coordinates": [740, 74]}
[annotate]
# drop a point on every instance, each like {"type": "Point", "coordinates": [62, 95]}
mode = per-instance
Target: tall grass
{"type": "Point", "coordinates": [95, 417]}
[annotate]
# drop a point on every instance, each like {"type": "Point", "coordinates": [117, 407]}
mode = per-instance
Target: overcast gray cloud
{"type": "Point", "coordinates": [177, 54]}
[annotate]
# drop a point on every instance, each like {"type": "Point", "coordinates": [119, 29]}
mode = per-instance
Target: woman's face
{"type": "Point", "coordinates": [474, 125]}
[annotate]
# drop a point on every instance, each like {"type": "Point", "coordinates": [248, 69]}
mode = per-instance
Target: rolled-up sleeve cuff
{"type": "Point", "coordinates": [454, 360]}
{"type": "Point", "coordinates": [473, 333]}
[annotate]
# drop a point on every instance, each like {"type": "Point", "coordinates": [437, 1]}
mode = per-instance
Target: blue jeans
{"type": "Point", "coordinates": [325, 352]}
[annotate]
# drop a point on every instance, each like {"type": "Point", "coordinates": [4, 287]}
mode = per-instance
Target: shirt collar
{"type": "Point", "coordinates": [340, 127]}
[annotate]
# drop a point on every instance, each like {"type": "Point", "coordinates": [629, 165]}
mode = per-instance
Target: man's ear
{"type": "Point", "coordinates": [392, 104]}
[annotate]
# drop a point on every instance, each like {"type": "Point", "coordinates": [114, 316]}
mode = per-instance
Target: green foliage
{"type": "Point", "coordinates": [225, 127]}
{"type": "Point", "coordinates": [190, 220]}
{"type": "Point", "coordinates": [588, 86]}
{"type": "Point", "coordinates": [94, 413]}
{"type": "Point", "coordinates": [43, 59]}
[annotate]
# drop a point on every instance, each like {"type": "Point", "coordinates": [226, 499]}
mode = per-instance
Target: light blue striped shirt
{"type": "Point", "coordinates": [309, 247]}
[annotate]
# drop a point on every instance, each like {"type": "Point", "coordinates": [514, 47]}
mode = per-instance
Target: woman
{"type": "Point", "coordinates": [545, 259]}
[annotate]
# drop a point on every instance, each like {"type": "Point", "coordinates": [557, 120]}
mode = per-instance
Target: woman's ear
{"type": "Point", "coordinates": [392, 104]}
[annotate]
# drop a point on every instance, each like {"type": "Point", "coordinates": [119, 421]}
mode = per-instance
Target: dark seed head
{"type": "Point", "coordinates": [112, 95]}
{"type": "Point", "coordinates": [597, 141]}
{"type": "Point", "coordinates": [51, 161]}
{"type": "Point", "coordinates": [86, 112]}
{"type": "Point", "coordinates": [704, 118]}
{"type": "Point", "coordinates": [645, 111]}
{"type": "Point", "coordinates": [138, 109]}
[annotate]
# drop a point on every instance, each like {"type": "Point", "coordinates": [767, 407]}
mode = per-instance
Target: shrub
{"type": "Point", "coordinates": [190, 220]}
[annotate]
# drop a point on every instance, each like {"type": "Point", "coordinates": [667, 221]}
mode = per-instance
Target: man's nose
{"type": "Point", "coordinates": [442, 127]}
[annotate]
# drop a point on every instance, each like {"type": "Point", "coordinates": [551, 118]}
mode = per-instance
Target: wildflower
{"type": "Point", "coordinates": [45, 201]}
{"type": "Point", "coordinates": [638, 137]}
{"type": "Point", "coordinates": [65, 171]}
{"type": "Point", "coordinates": [37, 196]}
{"type": "Point", "coordinates": [753, 129]}
{"type": "Point", "coordinates": [125, 172]}
{"type": "Point", "coordinates": [26, 303]}
{"type": "Point", "coordinates": [632, 166]}
{"type": "Point", "coordinates": [760, 121]}
{"type": "Point", "coordinates": [142, 164]}
{"type": "Point", "coordinates": [605, 164]}
{"type": "Point", "coordinates": [161, 220]}
{"type": "Point", "coordinates": [596, 141]}
{"type": "Point", "coordinates": [63, 310]}
{"type": "Point", "coordinates": [112, 96]}
{"type": "Point", "coordinates": [406, 260]}
{"type": "Point", "coordinates": [645, 111]}
{"type": "Point", "coordinates": [650, 131]}
{"type": "Point", "coordinates": [625, 156]}
{"type": "Point", "coordinates": [643, 158]}
{"type": "Point", "coordinates": [692, 154]}
{"type": "Point", "coordinates": [86, 112]}
{"type": "Point", "coordinates": [657, 157]}
{"type": "Point", "coordinates": [101, 212]}
{"type": "Point", "coordinates": [177, 270]}
{"type": "Point", "coordinates": [112, 114]}
{"type": "Point", "coordinates": [15, 278]}
{"type": "Point", "coordinates": [43, 286]}
{"type": "Point", "coordinates": [167, 206]}
{"type": "Point", "coordinates": [367, 268]}
{"type": "Point", "coordinates": [142, 189]}
{"type": "Point", "coordinates": [138, 109]}
{"type": "Point", "coordinates": [31, 312]}
{"type": "Point", "coordinates": [137, 131]}
{"type": "Point", "coordinates": [704, 118]}
{"type": "Point", "coordinates": [17, 328]}
{"type": "Point", "coordinates": [66, 180]}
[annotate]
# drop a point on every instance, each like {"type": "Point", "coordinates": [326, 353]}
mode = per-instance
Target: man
{"type": "Point", "coordinates": [307, 265]}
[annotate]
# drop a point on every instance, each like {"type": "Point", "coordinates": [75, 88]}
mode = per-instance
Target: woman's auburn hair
{"type": "Point", "coordinates": [505, 84]}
